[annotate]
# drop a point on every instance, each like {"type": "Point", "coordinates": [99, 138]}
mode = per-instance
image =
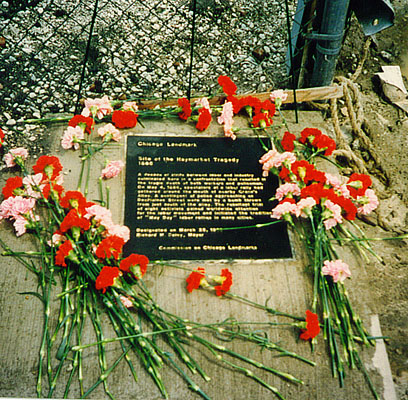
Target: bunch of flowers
{"type": "Point", "coordinates": [318, 205]}
{"type": "Point", "coordinates": [81, 247]}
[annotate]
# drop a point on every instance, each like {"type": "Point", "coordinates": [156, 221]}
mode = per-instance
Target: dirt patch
{"type": "Point", "coordinates": [387, 129]}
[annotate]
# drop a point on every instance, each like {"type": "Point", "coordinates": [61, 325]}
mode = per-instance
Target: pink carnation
{"type": "Point", "coordinates": [13, 207]}
{"type": "Point", "coordinates": [121, 231]}
{"type": "Point", "coordinates": [109, 132]}
{"type": "Point", "coordinates": [304, 206]}
{"type": "Point", "coordinates": [126, 301]}
{"type": "Point", "coordinates": [283, 210]}
{"type": "Point", "coordinates": [226, 119]}
{"type": "Point", "coordinates": [130, 106]}
{"type": "Point", "coordinates": [71, 137]}
{"type": "Point", "coordinates": [274, 159]}
{"type": "Point", "coordinates": [278, 94]}
{"type": "Point", "coordinates": [20, 225]}
{"type": "Point", "coordinates": [203, 102]}
{"type": "Point", "coordinates": [33, 186]}
{"type": "Point", "coordinates": [10, 157]}
{"type": "Point", "coordinates": [337, 185]}
{"type": "Point", "coordinates": [287, 188]}
{"type": "Point", "coordinates": [101, 215]}
{"type": "Point", "coordinates": [368, 202]}
{"type": "Point", "coordinates": [97, 107]}
{"type": "Point", "coordinates": [337, 269]}
{"type": "Point", "coordinates": [113, 169]}
{"type": "Point", "coordinates": [332, 214]}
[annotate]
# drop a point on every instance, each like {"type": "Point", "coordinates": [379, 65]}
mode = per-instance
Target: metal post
{"type": "Point", "coordinates": [329, 40]}
{"type": "Point", "coordinates": [190, 72]}
{"type": "Point", "coordinates": [88, 45]}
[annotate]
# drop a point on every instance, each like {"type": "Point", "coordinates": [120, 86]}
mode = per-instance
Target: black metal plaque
{"type": "Point", "coordinates": [181, 190]}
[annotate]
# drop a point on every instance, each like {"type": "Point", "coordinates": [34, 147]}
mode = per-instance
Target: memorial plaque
{"type": "Point", "coordinates": [181, 190]}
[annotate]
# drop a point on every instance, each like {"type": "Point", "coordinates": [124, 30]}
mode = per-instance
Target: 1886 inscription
{"type": "Point", "coordinates": [184, 195]}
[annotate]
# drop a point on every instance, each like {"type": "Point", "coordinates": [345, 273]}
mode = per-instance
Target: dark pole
{"type": "Point", "coordinates": [329, 40]}
{"type": "Point", "coordinates": [88, 45]}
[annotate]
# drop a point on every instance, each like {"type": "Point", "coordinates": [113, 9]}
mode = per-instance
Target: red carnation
{"type": "Point", "coordinates": [123, 119]}
{"type": "Point", "coordinates": [195, 279]}
{"type": "Point", "coordinates": [325, 142]}
{"type": "Point", "coordinates": [348, 208]}
{"type": "Point", "coordinates": [73, 220]}
{"type": "Point", "coordinates": [204, 119]}
{"type": "Point", "coordinates": [284, 174]}
{"type": "Point", "coordinates": [262, 120]}
{"type": "Point", "coordinates": [74, 199]}
{"type": "Point", "coordinates": [253, 102]}
{"type": "Point", "coordinates": [107, 277]}
{"type": "Point", "coordinates": [86, 123]}
{"type": "Point", "coordinates": [49, 166]}
{"type": "Point", "coordinates": [312, 326]}
{"type": "Point", "coordinates": [288, 141]}
{"type": "Point", "coordinates": [1, 138]}
{"type": "Point", "coordinates": [56, 190]}
{"type": "Point", "coordinates": [315, 190]}
{"type": "Point", "coordinates": [237, 104]}
{"type": "Point", "coordinates": [302, 169]}
{"type": "Point", "coordinates": [13, 187]}
{"type": "Point", "coordinates": [226, 277]}
{"type": "Point", "coordinates": [186, 108]}
{"type": "Point", "coordinates": [63, 252]}
{"type": "Point", "coordinates": [358, 184]}
{"type": "Point", "coordinates": [227, 85]}
{"type": "Point", "coordinates": [268, 106]}
{"type": "Point", "coordinates": [110, 247]}
{"type": "Point", "coordinates": [309, 134]}
{"type": "Point", "coordinates": [136, 264]}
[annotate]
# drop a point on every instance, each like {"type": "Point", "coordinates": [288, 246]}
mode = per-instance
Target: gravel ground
{"type": "Point", "coordinates": [139, 49]}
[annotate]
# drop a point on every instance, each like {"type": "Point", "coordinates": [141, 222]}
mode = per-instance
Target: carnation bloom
{"type": "Point", "coordinates": [85, 123]}
{"type": "Point", "coordinates": [261, 120]}
{"type": "Point", "coordinates": [113, 169]}
{"type": "Point", "coordinates": [121, 231]}
{"type": "Point", "coordinates": [130, 106]}
{"type": "Point", "coordinates": [124, 119]}
{"type": "Point", "coordinates": [368, 202]}
{"type": "Point", "coordinates": [110, 247]}
{"type": "Point", "coordinates": [204, 119]}
{"type": "Point", "coordinates": [52, 190]}
{"type": "Point", "coordinates": [196, 279]}
{"type": "Point", "coordinates": [331, 214]}
{"type": "Point", "coordinates": [1, 138]}
{"type": "Point", "coordinates": [325, 142]}
{"type": "Point", "coordinates": [304, 207]}
{"type": "Point", "coordinates": [227, 85]}
{"type": "Point", "coordinates": [63, 252]}
{"type": "Point", "coordinates": [14, 207]}
{"type": "Point", "coordinates": [278, 96]}
{"type": "Point", "coordinates": [108, 132]}
{"type": "Point", "coordinates": [74, 199]}
{"type": "Point", "coordinates": [309, 135]}
{"type": "Point", "coordinates": [97, 107]}
{"type": "Point", "coordinates": [274, 159]}
{"type": "Point", "coordinates": [101, 215]}
{"type": "Point", "coordinates": [136, 264]}
{"type": "Point", "coordinates": [126, 301]}
{"type": "Point", "coordinates": [337, 269]}
{"type": "Point", "coordinates": [109, 276]}
{"type": "Point", "coordinates": [33, 186]}
{"type": "Point", "coordinates": [75, 223]}
{"type": "Point", "coordinates": [13, 187]}
{"type": "Point", "coordinates": [71, 138]}
{"type": "Point", "coordinates": [291, 189]}
{"type": "Point", "coordinates": [312, 326]}
{"type": "Point", "coordinates": [284, 210]}
{"type": "Point", "coordinates": [186, 108]}
{"type": "Point", "coordinates": [226, 119]}
{"type": "Point", "coordinates": [203, 102]}
{"type": "Point", "coordinates": [20, 225]}
{"type": "Point", "coordinates": [288, 141]}
{"type": "Point", "coordinates": [49, 166]}
{"type": "Point", "coordinates": [225, 281]}
{"type": "Point", "coordinates": [358, 184]}
{"type": "Point", "coordinates": [19, 154]}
